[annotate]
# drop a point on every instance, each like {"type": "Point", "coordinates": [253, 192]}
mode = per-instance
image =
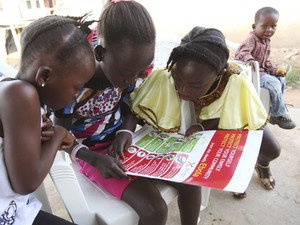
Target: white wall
{"type": "Point", "coordinates": [233, 17]}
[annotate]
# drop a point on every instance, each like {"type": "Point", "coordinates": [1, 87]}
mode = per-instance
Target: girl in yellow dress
{"type": "Point", "coordinates": [223, 95]}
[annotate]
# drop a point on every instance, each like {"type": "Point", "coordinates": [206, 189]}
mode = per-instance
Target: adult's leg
{"type": "Point", "coordinates": [189, 202]}
{"type": "Point", "coordinates": [143, 196]}
{"type": "Point", "coordinates": [270, 149]}
{"type": "Point", "coordinates": [44, 218]}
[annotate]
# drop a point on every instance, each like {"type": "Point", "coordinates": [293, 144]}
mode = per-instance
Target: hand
{"type": "Point", "coordinates": [109, 166]}
{"type": "Point", "coordinates": [280, 73]}
{"type": "Point", "coordinates": [67, 141]}
{"type": "Point", "coordinates": [47, 130]}
{"type": "Point", "coordinates": [193, 129]}
{"type": "Point", "coordinates": [121, 142]}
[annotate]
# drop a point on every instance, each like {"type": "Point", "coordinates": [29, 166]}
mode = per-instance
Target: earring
{"type": "Point", "coordinates": [43, 84]}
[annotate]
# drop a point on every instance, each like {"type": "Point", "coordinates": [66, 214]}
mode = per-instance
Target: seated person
{"type": "Point", "coordinates": [257, 48]}
{"type": "Point", "coordinates": [223, 95]}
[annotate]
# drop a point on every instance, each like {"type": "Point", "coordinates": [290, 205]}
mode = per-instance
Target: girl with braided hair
{"type": "Point", "coordinates": [56, 60]}
{"type": "Point", "coordinates": [223, 95]}
{"type": "Point", "coordinates": [101, 119]}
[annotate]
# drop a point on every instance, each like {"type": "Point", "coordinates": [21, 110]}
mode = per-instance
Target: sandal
{"type": "Point", "coordinates": [263, 171]}
{"type": "Point", "coordinates": [238, 195]}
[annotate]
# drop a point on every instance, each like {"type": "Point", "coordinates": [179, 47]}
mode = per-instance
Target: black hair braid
{"type": "Point", "coordinates": [82, 23]}
{"type": "Point", "coordinates": [126, 20]}
{"type": "Point", "coordinates": [178, 53]}
{"type": "Point", "coordinates": [204, 45]}
{"type": "Point", "coordinates": [54, 34]}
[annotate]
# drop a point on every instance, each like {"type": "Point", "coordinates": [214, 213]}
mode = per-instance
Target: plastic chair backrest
{"type": "Point", "coordinates": [255, 76]}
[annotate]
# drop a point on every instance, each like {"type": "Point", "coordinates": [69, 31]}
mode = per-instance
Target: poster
{"type": "Point", "coordinates": [221, 159]}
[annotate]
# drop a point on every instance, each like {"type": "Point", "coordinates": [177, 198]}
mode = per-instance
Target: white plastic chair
{"type": "Point", "coordinates": [255, 76]}
{"type": "Point", "coordinates": [89, 204]}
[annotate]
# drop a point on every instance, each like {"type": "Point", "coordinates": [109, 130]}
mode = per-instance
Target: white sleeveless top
{"type": "Point", "coordinates": [15, 209]}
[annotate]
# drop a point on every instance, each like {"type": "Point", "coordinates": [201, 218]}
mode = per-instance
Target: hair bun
{"type": "Point", "coordinates": [203, 41]}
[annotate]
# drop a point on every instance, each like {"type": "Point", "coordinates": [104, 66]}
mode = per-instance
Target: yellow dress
{"type": "Point", "coordinates": [234, 101]}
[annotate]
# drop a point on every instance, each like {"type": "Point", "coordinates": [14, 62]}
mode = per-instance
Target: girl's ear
{"type": "Point", "coordinates": [43, 75]}
{"type": "Point", "coordinates": [99, 51]}
{"type": "Point", "coordinates": [253, 26]}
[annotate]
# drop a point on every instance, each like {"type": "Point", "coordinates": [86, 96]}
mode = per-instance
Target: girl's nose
{"type": "Point", "coordinates": [184, 90]}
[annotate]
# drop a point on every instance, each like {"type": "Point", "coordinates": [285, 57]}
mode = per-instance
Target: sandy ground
{"type": "Point", "coordinates": [280, 206]}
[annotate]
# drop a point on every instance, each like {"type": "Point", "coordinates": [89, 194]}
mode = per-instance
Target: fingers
{"type": "Point", "coordinates": [120, 143]}
{"type": "Point", "coordinates": [115, 152]}
{"type": "Point", "coordinates": [47, 122]}
{"type": "Point", "coordinates": [47, 129]}
{"type": "Point", "coordinates": [193, 129]}
{"type": "Point", "coordinates": [111, 151]}
{"type": "Point", "coordinates": [120, 170]}
{"type": "Point", "coordinates": [116, 170]}
{"type": "Point", "coordinates": [66, 145]}
{"type": "Point", "coordinates": [47, 135]}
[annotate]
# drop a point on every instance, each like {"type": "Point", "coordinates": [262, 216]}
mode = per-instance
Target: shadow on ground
{"type": "Point", "coordinates": [280, 206]}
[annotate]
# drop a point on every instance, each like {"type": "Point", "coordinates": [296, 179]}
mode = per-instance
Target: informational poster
{"type": "Point", "coordinates": [222, 159]}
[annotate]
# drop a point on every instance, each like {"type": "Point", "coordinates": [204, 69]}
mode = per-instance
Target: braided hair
{"type": "Point", "coordinates": [125, 20]}
{"type": "Point", "coordinates": [204, 45]}
{"type": "Point", "coordinates": [61, 36]}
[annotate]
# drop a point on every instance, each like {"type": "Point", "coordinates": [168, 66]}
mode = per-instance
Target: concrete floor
{"type": "Point", "coordinates": [280, 206]}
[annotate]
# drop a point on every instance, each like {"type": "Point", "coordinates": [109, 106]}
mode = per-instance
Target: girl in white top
{"type": "Point", "coordinates": [56, 60]}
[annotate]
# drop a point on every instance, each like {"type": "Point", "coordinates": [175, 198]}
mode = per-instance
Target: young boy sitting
{"type": "Point", "coordinates": [257, 48]}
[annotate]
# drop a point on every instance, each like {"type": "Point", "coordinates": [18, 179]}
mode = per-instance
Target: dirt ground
{"type": "Point", "coordinates": [292, 97]}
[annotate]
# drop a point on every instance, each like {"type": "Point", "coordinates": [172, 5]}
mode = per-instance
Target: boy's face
{"type": "Point", "coordinates": [266, 25]}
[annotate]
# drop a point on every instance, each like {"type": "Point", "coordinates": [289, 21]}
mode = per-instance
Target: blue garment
{"type": "Point", "coordinates": [276, 86]}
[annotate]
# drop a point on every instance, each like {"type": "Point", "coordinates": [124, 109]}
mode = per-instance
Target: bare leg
{"type": "Point", "coordinates": [146, 200]}
{"type": "Point", "coordinates": [189, 203]}
{"type": "Point", "coordinates": [270, 150]}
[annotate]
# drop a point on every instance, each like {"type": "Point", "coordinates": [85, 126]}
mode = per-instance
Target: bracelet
{"type": "Point", "coordinates": [202, 127]}
{"type": "Point", "coordinates": [75, 151]}
{"type": "Point", "coordinates": [126, 131]}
